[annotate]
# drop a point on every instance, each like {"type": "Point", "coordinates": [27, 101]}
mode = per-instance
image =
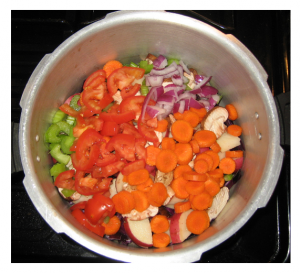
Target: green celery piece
{"type": "Point", "coordinates": [51, 135]}
{"type": "Point", "coordinates": [132, 64]}
{"type": "Point", "coordinates": [70, 120]}
{"type": "Point", "coordinates": [144, 90]}
{"type": "Point", "coordinates": [64, 127]}
{"type": "Point", "coordinates": [59, 115]}
{"type": "Point", "coordinates": [73, 103]}
{"type": "Point", "coordinates": [67, 192]}
{"type": "Point", "coordinates": [66, 143]}
{"type": "Point", "coordinates": [228, 177]}
{"type": "Point", "coordinates": [59, 156]}
{"type": "Point", "coordinates": [187, 88]}
{"type": "Point", "coordinates": [170, 61]}
{"type": "Point", "coordinates": [146, 66]}
{"type": "Point", "coordinates": [51, 146]}
{"type": "Point", "coordinates": [107, 107]}
{"type": "Point", "coordinates": [57, 169]}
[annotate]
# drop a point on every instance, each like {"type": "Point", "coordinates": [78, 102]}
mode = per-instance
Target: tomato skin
{"type": "Point", "coordinates": [65, 180]}
{"type": "Point", "coordinates": [93, 76]}
{"type": "Point", "coordinates": [99, 207]}
{"type": "Point", "coordinates": [147, 131]}
{"type": "Point", "coordinates": [86, 112]}
{"type": "Point", "coordinates": [118, 118]}
{"type": "Point", "coordinates": [107, 170]}
{"type": "Point", "coordinates": [124, 145]}
{"type": "Point", "coordinates": [130, 90]}
{"type": "Point", "coordinates": [140, 151]}
{"type": "Point", "coordinates": [80, 205]}
{"type": "Point", "coordinates": [66, 108]}
{"type": "Point", "coordinates": [115, 109]}
{"type": "Point", "coordinates": [133, 166]}
{"type": "Point", "coordinates": [123, 77]}
{"type": "Point", "coordinates": [129, 129]}
{"type": "Point", "coordinates": [93, 97]}
{"type": "Point", "coordinates": [110, 128]}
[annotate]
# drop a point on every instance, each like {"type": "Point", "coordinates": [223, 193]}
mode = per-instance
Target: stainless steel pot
{"type": "Point", "coordinates": [130, 36]}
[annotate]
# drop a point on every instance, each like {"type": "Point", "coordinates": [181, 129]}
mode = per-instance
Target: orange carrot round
{"type": "Point", "coordinates": [227, 165]}
{"type": "Point", "coordinates": [195, 146]}
{"type": "Point", "coordinates": [184, 153]}
{"type": "Point", "coordinates": [161, 239]}
{"type": "Point", "coordinates": [215, 157]}
{"type": "Point", "coordinates": [215, 147]}
{"type": "Point", "coordinates": [202, 201]}
{"type": "Point", "coordinates": [146, 186]}
{"type": "Point", "coordinates": [124, 202]}
{"type": "Point", "coordinates": [205, 138]}
{"type": "Point", "coordinates": [178, 116]}
{"type": "Point", "coordinates": [178, 186]}
{"type": "Point", "coordinates": [195, 187]}
{"type": "Point", "coordinates": [182, 131]}
{"type": "Point", "coordinates": [179, 170]}
{"type": "Point", "coordinates": [216, 173]}
{"type": "Point", "coordinates": [162, 125]}
{"type": "Point", "coordinates": [138, 177]}
{"type": "Point", "coordinates": [212, 186]}
{"type": "Point", "coordinates": [238, 153]}
{"type": "Point", "coordinates": [234, 130]}
{"type": "Point", "coordinates": [166, 161]}
{"type": "Point", "coordinates": [159, 223]}
{"type": "Point", "coordinates": [191, 117]}
{"type": "Point", "coordinates": [182, 206]}
{"type": "Point", "coordinates": [221, 182]}
{"type": "Point", "coordinates": [157, 195]}
{"type": "Point", "coordinates": [194, 176]}
{"type": "Point", "coordinates": [151, 154]}
{"type": "Point", "coordinates": [197, 221]}
{"type": "Point", "coordinates": [200, 112]}
{"type": "Point", "coordinates": [207, 158]}
{"type": "Point", "coordinates": [141, 200]}
{"type": "Point", "coordinates": [201, 166]}
{"type": "Point", "coordinates": [168, 143]}
{"type": "Point", "coordinates": [232, 113]}
{"type": "Point", "coordinates": [113, 226]}
{"type": "Point", "coordinates": [111, 66]}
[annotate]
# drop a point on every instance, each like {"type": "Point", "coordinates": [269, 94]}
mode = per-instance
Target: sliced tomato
{"type": "Point", "coordinates": [80, 205]}
{"type": "Point", "coordinates": [96, 82]}
{"type": "Point", "coordinates": [115, 109]}
{"type": "Point", "coordinates": [105, 157]}
{"type": "Point", "coordinates": [86, 112]}
{"type": "Point", "coordinates": [93, 76]}
{"type": "Point", "coordinates": [130, 90]}
{"type": "Point", "coordinates": [140, 151]}
{"type": "Point", "coordinates": [118, 118]}
{"type": "Point", "coordinates": [95, 121]}
{"type": "Point", "coordinates": [110, 128]}
{"type": "Point", "coordinates": [124, 145]}
{"type": "Point", "coordinates": [123, 77]}
{"type": "Point", "coordinates": [129, 129]}
{"type": "Point", "coordinates": [147, 131]}
{"type": "Point", "coordinates": [66, 108]}
{"type": "Point", "coordinates": [65, 180]}
{"type": "Point", "coordinates": [133, 166]}
{"type": "Point", "coordinates": [108, 170]}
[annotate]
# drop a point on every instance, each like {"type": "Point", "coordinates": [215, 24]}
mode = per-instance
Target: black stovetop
{"type": "Point", "coordinates": [264, 238]}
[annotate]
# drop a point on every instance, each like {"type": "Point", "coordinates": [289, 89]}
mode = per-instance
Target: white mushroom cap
{"type": "Point", "coordinates": [218, 203]}
{"type": "Point", "coordinates": [214, 120]}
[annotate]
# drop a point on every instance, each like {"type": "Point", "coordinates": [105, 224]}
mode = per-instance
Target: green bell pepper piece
{"type": "Point", "coordinates": [57, 169]}
{"type": "Point", "coordinates": [58, 155]}
{"type": "Point", "coordinates": [170, 61]}
{"type": "Point", "coordinates": [228, 177]}
{"type": "Point", "coordinates": [146, 66]}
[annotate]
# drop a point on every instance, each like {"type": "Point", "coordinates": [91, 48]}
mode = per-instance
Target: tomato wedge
{"type": "Point", "coordinates": [118, 118]}
{"type": "Point", "coordinates": [123, 77]}
{"type": "Point", "coordinates": [130, 90]}
{"type": "Point", "coordinates": [66, 108]}
{"type": "Point", "coordinates": [110, 128]}
{"type": "Point", "coordinates": [65, 180]}
{"type": "Point", "coordinates": [134, 166]}
{"type": "Point", "coordinates": [108, 170]}
{"type": "Point", "coordinates": [147, 132]}
{"type": "Point", "coordinates": [93, 76]}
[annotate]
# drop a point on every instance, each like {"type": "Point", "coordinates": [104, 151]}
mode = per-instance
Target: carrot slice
{"type": "Point", "coordinates": [215, 147]}
{"type": "Point", "coordinates": [179, 170]}
{"type": "Point", "coordinates": [234, 130]}
{"type": "Point", "coordinates": [182, 206]}
{"type": "Point", "coordinates": [113, 226]}
{"type": "Point", "coordinates": [221, 182]}
{"type": "Point", "coordinates": [152, 153]}
{"type": "Point", "coordinates": [178, 186]}
{"type": "Point", "coordinates": [161, 239]}
{"type": "Point", "coordinates": [166, 161]}
{"type": "Point", "coordinates": [194, 176]}
{"type": "Point", "coordinates": [237, 153]}
{"type": "Point", "coordinates": [200, 112]}
{"type": "Point", "coordinates": [195, 146]}
{"type": "Point", "coordinates": [205, 138]}
{"type": "Point", "coordinates": [191, 117]}
{"type": "Point", "coordinates": [157, 195]}
{"type": "Point", "coordinates": [202, 201]}
{"type": "Point", "coordinates": [159, 224]}
{"type": "Point", "coordinates": [141, 200]}
{"type": "Point", "coordinates": [184, 153]}
{"type": "Point", "coordinates": [138, 177]}
{"type": "Point", "coordinates": [195, 187]}
{"type": "Point", "coordinates": [215, 157]}
{"type": "Point", "coordinates": [201, 166]}
{"type": "Point", "coordinates": [216, 173]}
{"type": "Point", "coordinates": [197, 221]}
{"type": "Point", "coordinates": [232, 113]}
{"type": "Point", "coordinates": [227, 165]}
{"type": "Point", "coordinates": [162, 125]}
{"type": "Point", "coordinates": [168, 143]}
{"type": "Point", "coordinates": [146, 186]}
{"type": "Point", "coordinates": [125, 178]}
{"type": "Point", "coordinates": [178, 116]}
{"type": "Point", "coordinates": [124, 202]}
{"type": "Point", "coordinates": [212, 186]}
{"type": "Point", "coordinates": [207, 158]}
{"type": "Point", "coordinates": [182, 131]}
{"type": "Point", "coordinates": [111, 66]}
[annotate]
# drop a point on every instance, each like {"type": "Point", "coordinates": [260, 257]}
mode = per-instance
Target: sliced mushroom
{"type": "Point", "coordinates": [167, 82]}
{"type": "Point", "coordinates": [165, 178]}
{"type": "Point", "coordinates": [134, 215]}
{"type": "Point", "coordinates": [214, 120]}
{"type": "Point", "coordinates": [172, 119]}
{"type": "Point", "coordinates": [151, 58]}
{"type": "Point", "coordinates": [218, 203]}
{"type": "Point", "coordinates": [191, 78]}
{"type": "Point", "coordinates": [194, 71]}
{"type": "Point", "coordinates": [171, 193]}
{"type": "Point", "coordinates": [117, 97]}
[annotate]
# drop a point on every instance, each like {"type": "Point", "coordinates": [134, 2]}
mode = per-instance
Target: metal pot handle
{"type": "Point", "coordinates": [30, 84]}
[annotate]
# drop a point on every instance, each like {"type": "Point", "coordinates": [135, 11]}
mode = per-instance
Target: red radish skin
{"type": "Point", "coordinates": [202, 150]}
{"type": "Point", "coordinates": [70, 98]}
{"type": "Point", "coordinates": [238, 162]}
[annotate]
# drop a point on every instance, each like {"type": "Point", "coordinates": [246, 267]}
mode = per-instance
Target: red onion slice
{"type": "Point", "coordinates": [196, 104]}
{"type": "Point", "coordinates": [208, 91]}
{"type": "Point", "coordinates": [214, 99]}
{"type": "Point", "coordinates": [177, 79]}
{"type": "Point", "coordinates": [184, 66]}
{"type": "Point", "coordinates": [159, 72]}
{"type": "Point", "coordinates": [154, 80]}
{"type": "Point", "coordinates": [165, 99]}
{"type": "Point", "coordinates": [146, 101]}
{"type": "Point", "coordinates": [203, 82]}
{"type": "Point", "coordinates": [186, 95]}
{"type": "Point", "coordinates": [154, 111]}
{"type": "Point", "coordinates": [187, 104]}
{"type": "Point", "coordinates": [160, 62]}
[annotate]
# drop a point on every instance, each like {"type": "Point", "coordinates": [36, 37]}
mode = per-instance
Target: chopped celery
{"type": "Point", "coordinates": [70, 120]}
{"type": "Point", "coordinates": [67, 192]}
{"type": "Point", "coordinates": [51, 145]}
{"type": "Point", "coordinates": [144, 90]}
{"type": "Point", "coordinates": [132, 64]}
{"type": "Point", "coordinates": [57, 169]}
{"type": "Point", "coordinates": [66, 143]}
{"type": "Point", "coordinates": [228, 177]}
{"type": "Point", "coordinates": [59, 156]}
{"type": "Point", "coordinates": [144, 82]}
{"type": "Point", "coordinates": [107, 107]}
{"type": "Point", "coordinates": [187, 88]}
{"type": "Point", "coordinates": [59, 115]}
{"type": "Point", "coordinates": [170, 61]}
{"type": "Point", "coordinates": [73, 103]}
{"type": "Point", "coordinates": [106, 219]}
{"type": "Point", "coordinates": [51, 135]}
{"type": "Point", "coordinates": [64, 126]}
{"type": "Point", "coordinates": [146, 66]}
